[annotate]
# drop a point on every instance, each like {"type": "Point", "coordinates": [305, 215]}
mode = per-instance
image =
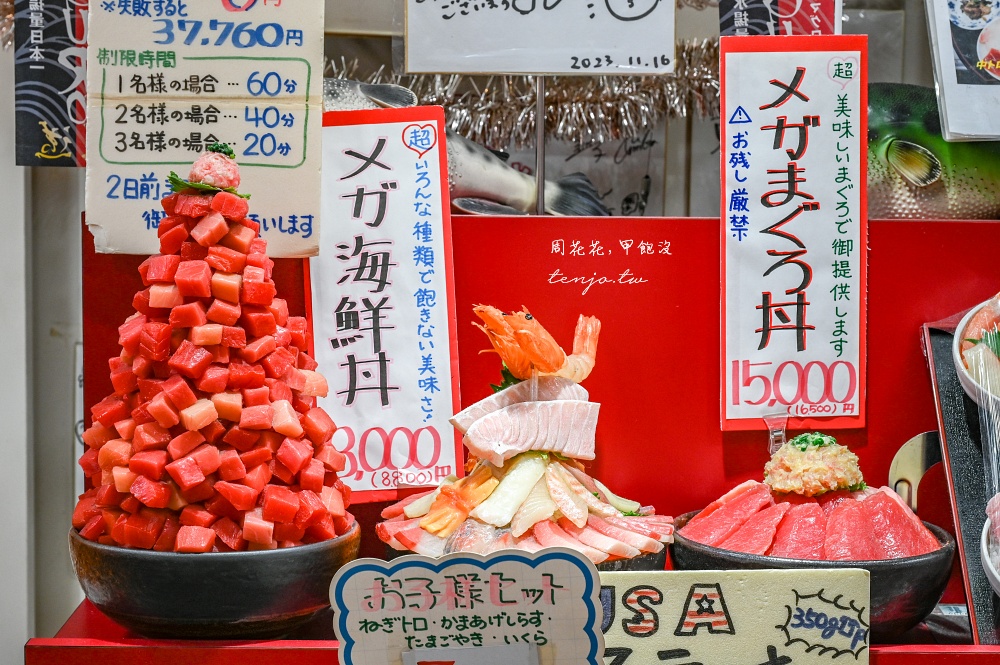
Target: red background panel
{"type": "Point", "coordinates": [657, 373]}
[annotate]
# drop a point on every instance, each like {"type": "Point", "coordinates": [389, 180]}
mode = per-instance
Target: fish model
{"type": "Point", "coordinates": [480, 181]}
{"type": "Point", "coordinates": [913, 173]}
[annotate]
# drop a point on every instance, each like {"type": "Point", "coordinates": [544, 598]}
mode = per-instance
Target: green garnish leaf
{"type": "Point", "coordinates": [812, 440]}
{"type": "Point", "coordinates": [631, 513]}
{"type": "Point", "coordinates": [991, 338]}
{"type": "Point", "coordinates": [858, 487]}
{"type": "Point", "coordinates": [179, 184]}
{"type": "Point", "coordinates": [222, 149]}
{"type": "Point", "coordinates": [508, 380]}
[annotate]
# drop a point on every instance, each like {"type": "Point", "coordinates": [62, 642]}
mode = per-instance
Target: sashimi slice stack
{"type": "Point", "coordinates": [837, 526]}
{"type": "Point", "coordinates": [211, 440]}
{"type": "Point", "coordinates": [529, 490]}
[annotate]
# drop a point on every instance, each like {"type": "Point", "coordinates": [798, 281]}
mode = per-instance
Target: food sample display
{"type": "Point", "coordinates": [813, 504]}
{"type": "Point", "coordinates": [211, 440]}
{"type": "Point", "coordinates": [528, 488]}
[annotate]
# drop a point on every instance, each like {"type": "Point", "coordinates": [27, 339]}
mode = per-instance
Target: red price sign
{"type": "Point", "coordinates": [383, 459]}
{"type": "Point", "coordinates": [815, 388]}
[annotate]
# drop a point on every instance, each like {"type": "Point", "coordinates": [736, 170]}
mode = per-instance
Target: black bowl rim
{"type": "Point", "coordinates": [946, 539]}
{"type": "Point", "coordinates": [162, 557]}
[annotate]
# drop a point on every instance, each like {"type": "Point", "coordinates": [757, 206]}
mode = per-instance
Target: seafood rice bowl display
{"type": "Point", "coordinates": [814, 510]}
{"type": "Point", "coordinates": [527, 487]}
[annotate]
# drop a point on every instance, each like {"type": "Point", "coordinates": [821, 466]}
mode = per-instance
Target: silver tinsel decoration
{"type": "Point", "coordinates": [6, 23]}
{"type": "Point", "coordinates": [499, 111]}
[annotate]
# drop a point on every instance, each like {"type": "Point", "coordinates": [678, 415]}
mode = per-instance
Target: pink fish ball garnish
{"type": "Point", "coordinates": [215, 169]}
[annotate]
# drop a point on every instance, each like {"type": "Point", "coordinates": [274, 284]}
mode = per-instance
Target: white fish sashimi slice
{"type": "Point", "coordinates": [537, 506]}
{"type": "Point", "coordinates": [632, 538]}
{"type": "Point", "coordinates": [420, 542]}
{"type": "Point", "coordinates": [597, 540]}
{"type": "Point", "coordinates": [569, 502]}
{"type": "Point", "coordinates": [525, 470]}
{"type": "Point", "coordinates": [567, 427]}
{"type": "Point", "coordinates": [621, 503]}
{"type": "Point", "coordinates": [549, 388]}
{"type": "Point", "coordinates": [594, 504]}
{"type": "Point", "coordinates": [548, 534]}
{"type": "Point", "coordinates": [585, 480]}
{"type": "Point", "coordinates": [472, 536]}
{"type": "Point", "coordinates": [984, 367]}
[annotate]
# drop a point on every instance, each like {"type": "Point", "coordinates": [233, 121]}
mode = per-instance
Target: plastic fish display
{"type": "Point", "coordinates": [480, 181]}
{"type": "Point", "coordinates": [913, 173]}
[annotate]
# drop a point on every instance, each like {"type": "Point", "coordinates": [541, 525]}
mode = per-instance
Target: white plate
{"type": "Point", "coordinates": [963, 20]}
{"type": "Point", "coordinates": [984, 554]}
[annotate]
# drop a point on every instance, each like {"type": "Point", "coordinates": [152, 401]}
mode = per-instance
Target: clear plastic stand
{"type": "Point", "coordinates": [776, 424]}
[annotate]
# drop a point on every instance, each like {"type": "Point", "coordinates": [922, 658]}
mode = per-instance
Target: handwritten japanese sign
{"type": "Point", "coordinates": [780, 17]}
{"type": "Point", "coordinates": [50, 65]}
{"type": "Point", "coordinates": [739, 617]}
{"type": "Point", "coordinates": [550, 37]}
{"type": "Point", "coordinates": [547, 600]}
{"type": "Point", "coordinates": [167, 78]}
{"type": "Point", "coordinates": [794, 230]}
{"type": "Point", "coordinates": [383, 311]}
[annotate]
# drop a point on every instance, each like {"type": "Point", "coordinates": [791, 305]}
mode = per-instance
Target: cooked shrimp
{"type": "Point", "coordinates": [523, 344]}
{"type": "Point", "coordinates": [521, 341]}
{"type": "Point", "coordinates": [580, 363]}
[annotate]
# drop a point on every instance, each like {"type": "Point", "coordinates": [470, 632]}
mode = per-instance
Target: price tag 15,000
{"type": "Point", "coordinates": [167, 79]}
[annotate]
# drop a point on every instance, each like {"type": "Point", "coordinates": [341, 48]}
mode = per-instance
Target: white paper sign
{"type": "Point", "coordinates": [508, 654]}
{"type": "Point", "coordinates": [805, 617]}
{"type": "Point", "coordinates": [382, 307]}
{"type": "Point", "coordinates": [548, 600]}
{"type": "Point", "coordinates": [794, 230]}
{"type": "Point", "coordinates": [540, 37]}
{"type": "Point", "coordinates": [166, 79]}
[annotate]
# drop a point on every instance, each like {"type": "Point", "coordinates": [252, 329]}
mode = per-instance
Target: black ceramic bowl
{"type": "Point", "coordinates": [903, 591]}
{"type": "Point", "coordinates": [219, 595]}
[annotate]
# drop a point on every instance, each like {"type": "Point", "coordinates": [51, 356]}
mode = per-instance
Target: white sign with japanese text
{"type": "Point", "coordinates": [382, 304]}
{"type": "Point", "coordinates": [794, 230]}
{"type": "Point", "coordinates": [548, 600]}
{"type": "Point", "coordinates": [168, 78]}
{"type": "Point", "coordinates": [736, 617]}
{"type": "Point", "coordinates": [531, 37]}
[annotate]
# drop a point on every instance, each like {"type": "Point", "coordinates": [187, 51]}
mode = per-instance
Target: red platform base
{"type": "Point", "coordinates": [90, 637]}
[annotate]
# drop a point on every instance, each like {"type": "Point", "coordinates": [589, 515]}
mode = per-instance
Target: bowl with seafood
{"type": "Point", "coordinates": [815, 511]}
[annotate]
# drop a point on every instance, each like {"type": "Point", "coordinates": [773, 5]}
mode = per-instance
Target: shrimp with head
{"type": "Point", "coordinates": [523, 343]}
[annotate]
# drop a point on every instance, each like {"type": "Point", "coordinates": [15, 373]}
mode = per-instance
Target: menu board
{"type": "Point", "coordinates": [382, 308]}
{"type": "Point", "coordinates": [532, 37]}
{"type": "Point", "coordinates": [169, 78]}
{"type": "Point", "coordinates": [794, 230]}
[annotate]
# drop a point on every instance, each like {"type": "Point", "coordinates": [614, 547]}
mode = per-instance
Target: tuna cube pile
{"type": "Point", "coordinates": [211, 440]}
{"type": "Point", "coordinates": [841, 525]}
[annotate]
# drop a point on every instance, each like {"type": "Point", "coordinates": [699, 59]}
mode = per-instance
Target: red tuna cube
{"type": "Point", "coordinates": [214, 379]}
{"type": "Point", "coordinates": [154, 341]}
{"type": "Point", "coordinates": [239, 239]}
{"type": "Point", "coordinates": [179, 392]}
{"type": "Point", "coordinates": [280, 504]}
{"type": "Point", "coordinates": [194, 278]}
{"type": "Point", "coordinates": [188, 315]}
{"type": "Point", "coordinates": [194, 539]}
{"type": "Point", "coordinates": [186, 473]}
{"type": "Point", "coordinates": [193, 205]}
{"type": "Point", "coordinates": [241, 496]}
{"type": "Point", "coordinates": [223, 312]}
{"type": "Point", "coordinates": [318, 426]}
{"type": "Point", "coordinates": [171, 241]}
{"type": "Point", "coordinates": [234, 337]}
{"type": "Point", "coordinates": [225, 259]}
{"type": "Point", "coordinates": [151, 493]}
{"type": "Point", "coordinates": [210, 229]}
{"type": "Point", "coordinates": [190, 360]}
{"type": "Point", "coordinates": [230, 206]}
{"type": "Point", "coordinates": [258, 321]}
{"type": "Point", "coordinates": [294, 454]}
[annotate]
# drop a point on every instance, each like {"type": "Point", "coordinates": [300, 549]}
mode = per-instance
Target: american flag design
{"type": "Point", "coordinates": [705, 607]}
{"type": "Point", "coordinates": [644, 621]}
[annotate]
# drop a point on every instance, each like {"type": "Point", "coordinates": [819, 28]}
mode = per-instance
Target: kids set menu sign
{"type": "Point", "coordinates": [540, 36]}
{"type": "Point", "coordinates": [794, 230]}
{"type": "Point", "coordinates": [383, 314]}
{"type": "Point", "coordinates": [166, 79]}
{"type": "Point", "coordinates": [467, 608]}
